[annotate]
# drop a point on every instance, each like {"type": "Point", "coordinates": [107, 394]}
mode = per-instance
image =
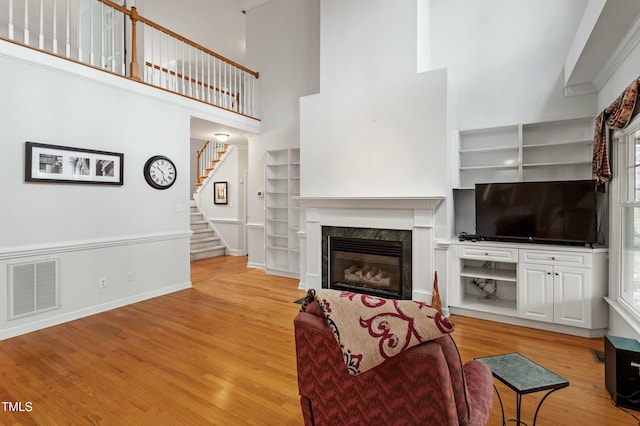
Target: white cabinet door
{"type": "Point", "coordinates": [572, 294]}
{"type": "Point", "coordinates": [535, 292]}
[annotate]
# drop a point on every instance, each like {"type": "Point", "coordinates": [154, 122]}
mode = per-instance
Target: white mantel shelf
{"type": "Point", "coordinates": [412, 203]}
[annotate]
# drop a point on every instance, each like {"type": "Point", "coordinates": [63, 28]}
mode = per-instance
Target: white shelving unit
{"type": "Point", "coordinates": [282, 214]}
{"type": "Point", "coordinates": [558, 288]}
{"type": "Point", "coordinates": [555, 150]}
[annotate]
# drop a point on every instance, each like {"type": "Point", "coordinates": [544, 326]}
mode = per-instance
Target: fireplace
{"type": "Point", "coordinates": [366, 260]}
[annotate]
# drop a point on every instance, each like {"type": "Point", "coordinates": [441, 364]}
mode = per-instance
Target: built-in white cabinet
{"type": "Point", "coordinates": [530, 284]}
{"type": "Point", "coordinates": [555, 294]}
{"type": "Point", "coordinates": [557, 286]}
{"type": "Point", "coordinates": [282, 213]}
{"type": "Point", "coordinates": [555, 150]}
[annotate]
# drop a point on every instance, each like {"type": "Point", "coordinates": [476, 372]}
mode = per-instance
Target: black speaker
{"type": "Point", "coordinates": [622, 371]}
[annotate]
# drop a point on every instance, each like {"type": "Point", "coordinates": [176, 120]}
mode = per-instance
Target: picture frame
{"type": "Point", "coordinates": [220, 193]}
{"type": "Point", "coordinates": [62, 164]}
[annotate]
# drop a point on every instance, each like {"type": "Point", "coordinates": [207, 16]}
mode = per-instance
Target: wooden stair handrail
{"type": "Point", "coordinates": [198, 155]}
{"type": "Point", "coordinates": [133, 14]}
{"type": "Point", "coordinates": [219, 151]}
{"type": "Point", "coordinates": [181, 76]}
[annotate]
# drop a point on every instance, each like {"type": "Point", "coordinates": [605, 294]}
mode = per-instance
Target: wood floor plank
{"type": "Point", "coordinates": [223, 353]}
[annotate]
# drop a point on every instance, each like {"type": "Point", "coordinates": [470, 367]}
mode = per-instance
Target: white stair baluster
{"type": "Point", "coordinates": [190, 63]}
{"type": "Point", "coordinates": [208, 78]}
{"type": "Point", "coordinates": [54, 42]}
{"type": "Point", "coordinates": [26, 22]}
{"type": "Point", "coordinates": [113, 41]}
{"type": "Point", "coordinates": [160, 63]}
{"type": "Point", "coordinates": [67, 35]}
{"type": "Point", "coordinates": [197, 92]}
{"type": "Point", "coordinates": [79, 33]}
{"type": "Point", "coordinates": [41, 34]}
{"type": "Point", "coordinates": [182, 74]}
{"type": "Point", "coordinates": [151, 56]}
{"type": "Point", "coordinates": [204, 87]}
{"type": "Point", "coordinates": [10, 29]}
{"type": "Point", "coordinates": [91, 46]}
{"type": "Point", "coordinates": [103, 59]}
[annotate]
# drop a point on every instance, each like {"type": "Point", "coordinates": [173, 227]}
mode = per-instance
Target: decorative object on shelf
{"type": "Point", "coordinates": [220, 193]}
{"type": "Point", "coordinates": [160, 172]}
{"type": "Point", "coordinates": [62, 164]}
{"type": "Point", "coordinates": [222, 137]}
{"type": "Point", "coordinates": [482, 283]}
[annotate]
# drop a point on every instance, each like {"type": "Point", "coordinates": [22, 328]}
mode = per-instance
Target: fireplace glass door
{"type": "Point", "coordinates": [362, 266]}
{"type": "Point", "coordinates": [367, 260]}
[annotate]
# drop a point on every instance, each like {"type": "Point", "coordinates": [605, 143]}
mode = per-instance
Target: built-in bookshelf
{"type": "Point", "coordinates": [282, 212]}
{"type": "Point", "coordinates": [554, 150]}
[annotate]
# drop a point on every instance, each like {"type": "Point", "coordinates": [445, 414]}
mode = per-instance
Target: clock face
{"type": "Point", "coordinates": [160, 172]}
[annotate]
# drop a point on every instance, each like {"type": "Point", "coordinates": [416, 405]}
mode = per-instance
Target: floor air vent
{"type": "Point", "coordinates": [33, 288]}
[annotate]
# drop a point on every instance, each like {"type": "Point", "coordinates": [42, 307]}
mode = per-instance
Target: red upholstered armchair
{"type": "Point", "coordinates": [424, 385]}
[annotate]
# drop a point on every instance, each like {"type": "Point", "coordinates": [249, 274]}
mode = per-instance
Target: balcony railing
{"type": "Point", "coordinates": [107, 35]}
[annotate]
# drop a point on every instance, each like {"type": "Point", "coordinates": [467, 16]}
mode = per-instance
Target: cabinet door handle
{"type": "Point", "coordinates": [553, 258]}
{"type": "Point", "coordinates": [557, 274]}
{"type": "Point", "coordinates": [486, 254]}
{"type": "Point", "coordinates": [548, 273]}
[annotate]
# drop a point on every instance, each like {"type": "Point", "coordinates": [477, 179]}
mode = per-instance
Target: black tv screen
{"type": "Point", "coordinates": [558, 211]}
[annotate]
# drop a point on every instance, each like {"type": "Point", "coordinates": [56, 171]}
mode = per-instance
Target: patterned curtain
{"type": "Point", "coordinates": [615, 117]}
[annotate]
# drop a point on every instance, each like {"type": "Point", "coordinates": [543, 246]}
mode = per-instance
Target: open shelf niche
{"type": "Point", "coordinates": [282, 213]}
{"type": "Point", "coordinates": [554, 150]}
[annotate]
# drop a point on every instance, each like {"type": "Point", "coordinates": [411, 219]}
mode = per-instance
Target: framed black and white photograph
{"type": "Point", "coordinates": [62, 164]}
{"type": "Point", "coordinates": [220, 193]}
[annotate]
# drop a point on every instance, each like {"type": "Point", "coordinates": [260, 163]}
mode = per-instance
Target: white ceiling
{"type": "Point", "coordinates": [205, 130]}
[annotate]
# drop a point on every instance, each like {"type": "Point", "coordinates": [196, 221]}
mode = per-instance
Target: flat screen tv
{"type": "Point", "coordinates": [558, 211]}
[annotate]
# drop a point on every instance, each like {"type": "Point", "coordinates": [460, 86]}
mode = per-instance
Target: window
{"type": "Point", "coordinates": [626, 207]}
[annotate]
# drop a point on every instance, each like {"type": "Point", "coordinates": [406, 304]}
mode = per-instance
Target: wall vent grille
{"type": "Point", "coordinates": [33, 288]}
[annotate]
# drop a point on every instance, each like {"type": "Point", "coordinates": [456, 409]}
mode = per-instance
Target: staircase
{"type": "Point", "coordinates": [207, 158]}
{"type": "Point", "coordinates": [204, 242]}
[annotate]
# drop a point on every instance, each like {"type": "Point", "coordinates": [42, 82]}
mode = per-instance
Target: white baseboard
{"type": "Point", "coordinates": [81, 313]}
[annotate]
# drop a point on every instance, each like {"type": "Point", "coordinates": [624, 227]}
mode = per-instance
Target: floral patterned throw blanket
{"type": "Point", "coordinates": [371, 329]}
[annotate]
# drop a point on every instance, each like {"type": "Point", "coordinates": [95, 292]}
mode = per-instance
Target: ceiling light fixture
{"type": "Point", "coordinates": [221, 137]}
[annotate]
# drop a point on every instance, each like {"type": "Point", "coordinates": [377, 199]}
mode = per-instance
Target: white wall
{"type": "Point", "coordinates": [389, 142]}
{"type": "Point", "coordinates": [377, 128]}
{"type": "Point", "coordinates": [135, 236]}
{"type": "Point", "coordinates": [283, 45]}
{"type": "Point", "coordinates": [216, 24]}
{"type": "Point", "coordinates": [507, 59]}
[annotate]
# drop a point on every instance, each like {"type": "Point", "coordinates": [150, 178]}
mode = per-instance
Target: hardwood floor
{"type": "Point", "coordinates": [223, 353]}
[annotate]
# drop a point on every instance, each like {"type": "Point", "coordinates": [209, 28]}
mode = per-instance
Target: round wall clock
{"type": "Point", "coordinates": [160, 172]}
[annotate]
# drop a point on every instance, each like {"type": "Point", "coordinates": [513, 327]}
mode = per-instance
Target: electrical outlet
{"type": "Point", "coordinates": [130, 276]}
{"type": "Point", "coordinates": [102, 283]}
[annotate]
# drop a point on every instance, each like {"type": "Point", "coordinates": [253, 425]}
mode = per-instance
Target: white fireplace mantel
{"type": "Point", "coordinates": [418, 214]}
{"type": "Point", "coordinates": [414, 203]}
